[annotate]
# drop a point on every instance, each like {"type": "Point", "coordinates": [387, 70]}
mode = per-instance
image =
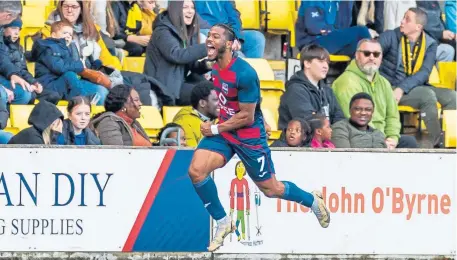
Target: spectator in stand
{"type": "Point", "coordinates": [297, 134]}
{"type": "Point", "coordinates": [140, 18]}
{"type": "Point", "coordinates": [16, 54]}
{"type": "Point", "coordinates": [57, 69]}
{"type": "Point", "coordinates": [321, 132]}
{"type": "Point", "coordinates": [409, 56]}
{"type": "Point", "coordinates": [394, 11]}
{"type": "Point", "coordinates": [362, 76]}
{"type": "Point", "coordinates": [9, 74]}
{"type": "Point", "coordinates": [46, 126]}
{"type": "Point", "coordinates": [356, 132]}
{"type": "Point", "coordinates": [250, 42]}
{"type": "Point", "coordinates": [133, 44]}
{"type": "Point", "coordinates": [306, 92]}
{"type": "Point", "coordinates": [174, 51]}
{"type": "Point", "coordinates": [435, 28]}
{"type": "Point", "coordinates": [450, 11]}
{"type": "Point", "coordinates": [86, 33]}
{"type": "Point", "coordinates": [327, 23]}
{"type": "Point", "coordinates": [118, 125]}
{"type": "Point", "coordinates": [172, 136]}
{"type": "Point", "coordinates": [204, 108]}
{"type": "Point", "coordinates": [75, 130]}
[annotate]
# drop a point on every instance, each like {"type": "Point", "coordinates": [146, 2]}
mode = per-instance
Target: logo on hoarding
{"type": "Point", "coordinates": [240, 208]}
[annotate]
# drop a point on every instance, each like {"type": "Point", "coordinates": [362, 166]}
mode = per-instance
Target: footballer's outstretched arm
{"type": "Point", "coordinates": [241, 119]}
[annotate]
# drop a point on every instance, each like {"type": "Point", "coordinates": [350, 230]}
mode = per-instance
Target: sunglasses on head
{"type": "Point", "coordinates": [367, 54]}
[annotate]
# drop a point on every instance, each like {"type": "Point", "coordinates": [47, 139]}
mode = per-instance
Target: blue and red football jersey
{"type": "Point", "coordinates": [239, 83]}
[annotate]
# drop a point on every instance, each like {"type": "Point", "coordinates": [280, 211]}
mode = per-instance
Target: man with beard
{"type": "Point", "coordinates": [204, 108]}
{"type": "Point", "coordinates": [362, 76]}
{"type": "Point", "coordinates": [240, 131]}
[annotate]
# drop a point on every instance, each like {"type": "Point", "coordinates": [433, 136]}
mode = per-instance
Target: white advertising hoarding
{"type": "Point", "coordinates": [72, 199]}
{"type": "Point", "coordinates": [381, 203]}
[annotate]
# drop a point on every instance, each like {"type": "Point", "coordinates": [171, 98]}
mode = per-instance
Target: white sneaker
{"type": "Point", "coordinates": [224, 228]}
{"type": "Point", "coordinates": [320, 210]}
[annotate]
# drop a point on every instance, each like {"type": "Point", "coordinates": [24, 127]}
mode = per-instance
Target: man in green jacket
{"type": "Point", "coordinates": [362, 76]}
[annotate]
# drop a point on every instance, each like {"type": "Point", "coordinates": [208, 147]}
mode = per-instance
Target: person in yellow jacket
{"type": "Point", "coordinates": [85, 30]}
{"type": "Point", "coordinates": [204, 107]}
{"type": "Point", "coordinates": [140, 18]}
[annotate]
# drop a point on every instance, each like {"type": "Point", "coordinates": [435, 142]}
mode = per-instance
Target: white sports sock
{"type": "Point", "coordinates": [222, 221]}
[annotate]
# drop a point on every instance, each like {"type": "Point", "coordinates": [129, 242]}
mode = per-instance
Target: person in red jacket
{"type": "Point", "coordinates": [239, 188]}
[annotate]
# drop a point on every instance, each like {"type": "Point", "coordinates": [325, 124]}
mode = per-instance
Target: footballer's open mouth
{"type": "Point", "coordinates": [211, 50]}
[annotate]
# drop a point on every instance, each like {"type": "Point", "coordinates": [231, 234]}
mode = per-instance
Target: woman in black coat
{"type": "Point", "coordinates": [175, 50]}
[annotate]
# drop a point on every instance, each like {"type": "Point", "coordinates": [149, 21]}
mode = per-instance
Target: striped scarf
{"type": "Point", "coordinates": [412, 62]}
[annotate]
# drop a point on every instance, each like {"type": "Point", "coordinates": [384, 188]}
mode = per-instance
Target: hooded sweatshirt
{"type": "Point", "coordinates": [42, 116]}
{"type": "Point", "coordinates": [302, 99]}
{"type": "Point", "coordinates": [385, 117]}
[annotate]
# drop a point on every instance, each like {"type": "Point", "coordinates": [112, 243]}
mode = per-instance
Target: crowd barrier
{"type": "Point", "coordinates": [141, 200]}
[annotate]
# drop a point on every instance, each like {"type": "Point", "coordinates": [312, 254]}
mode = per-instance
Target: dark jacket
{"type": "Point", "coordinates": [435, 25]}
{"type": "Point", "coordinates": [169, 58]}
{"type": "Point", "coordinates": [345, 135]}
{"type": "Point", "coordinates": [315, 16]}
{"type": "Point", "coordinates": [17, 57]}
{"type": "Point", "coordinates": [113, 130]}
{"type": "Point", "coordinates": [220, 11]}
{"type": "Point", "coordinates": [52, 59]}
{"type": "Point", "coordinates": [302, 99]}
{"type": "Point", "coordinates": [42, 116]}
{"type": "Point", "coordinates": [390, 43]}
{"type": "Point", "coordinates": [7, 68]}
{"type": "Point", "coordinates": [68, 134]}
{"type": "Point", "coordinates": [120, 11]}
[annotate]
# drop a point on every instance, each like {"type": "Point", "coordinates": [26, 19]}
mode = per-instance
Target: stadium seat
{"type": "Point", "coordinates": [169, 113]}
{"type": "Point", "coordinates": [263, 68]}
{"type": "Point", "coordinates": [64, 111]}
{"type": "Point", "coordinates": [31, 67]}
{"type": "Point", "coordinates": [449, 128]}
{"type": "Point", "coordinates": [10, 129]}
{"type": "Point", "coordinates": [448, 74]}
{"type": "Point", "coordinates": [151, 120]}
{"type": "Point", "coordinates": [273, 123]}
{"type": "Point", "coordinates": [250, 13]}
{"type": "Point", "coordinates": [97, 110]}
{"type": "Point", "coordinates": [134, 64]}
{"type": "Point", "coordinates": [280, 18]}
{"type": "Point", "coordinates": [270, 101]}
{"type": "Point", "coordinates": [335, 58]}
{"type": "Point", "coordinates": [272, 85]}
{"type": "Point", "coordinates": [19, 115]}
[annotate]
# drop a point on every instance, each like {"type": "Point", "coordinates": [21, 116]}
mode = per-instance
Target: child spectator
{"type": "Point", "coordinates": [46, 120]}
{"type": "Point", "coordinates": [57, 65]}
{"type": "Point", "coordinates": [118, 125]}
{"type": "Point", "coordinates": [16, 54]}
{"type": "Point", "coordinates": [297, 134]}
{"type": "Point", "coordinates": [75, 130]}
{"type": "Point", "coordinates": [139, 22]}
{"type": "Point", "coordinates": [171, 138]}
{"type": "Point", "coordinates": [321, 131]}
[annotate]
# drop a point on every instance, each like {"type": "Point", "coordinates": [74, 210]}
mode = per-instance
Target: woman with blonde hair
{"type": "Point", "coordinates": [46, 120]}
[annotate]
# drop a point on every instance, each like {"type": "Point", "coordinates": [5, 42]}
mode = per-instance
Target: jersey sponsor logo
{"type": "Point", "coordinates": [222, 104]}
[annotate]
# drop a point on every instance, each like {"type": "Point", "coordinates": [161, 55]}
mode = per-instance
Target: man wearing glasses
{"type": "Point", "coordinates": [362, 76]}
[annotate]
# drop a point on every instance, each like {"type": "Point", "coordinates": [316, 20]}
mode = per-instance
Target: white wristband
{"type": "Point", "coordinates": [214, 129]}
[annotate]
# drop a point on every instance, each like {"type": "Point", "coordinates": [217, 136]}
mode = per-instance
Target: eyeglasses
{"type": "Point", "coordinates": [367, 54]}
{"type": "Point", "coordinates": [72, 7]}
